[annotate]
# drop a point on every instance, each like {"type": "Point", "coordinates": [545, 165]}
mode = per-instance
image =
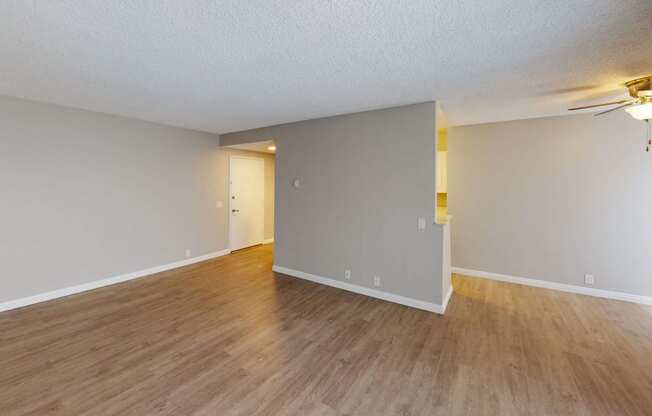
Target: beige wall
{"type": "Point", "coordinates": [553, 199]}
{"type": "Point", "coordinates": [366, 178]}
{"type": "Point", "coordinates": [269, 160]}
{"type": "Point", "coordinates": [87, 196]}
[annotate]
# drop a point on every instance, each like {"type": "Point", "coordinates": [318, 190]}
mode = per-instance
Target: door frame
{"type": "Point", "coordinates": [256, 158]}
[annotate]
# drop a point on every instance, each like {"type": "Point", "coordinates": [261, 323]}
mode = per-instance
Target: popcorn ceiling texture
{"type": "Point", "coordinates": [224, 66]}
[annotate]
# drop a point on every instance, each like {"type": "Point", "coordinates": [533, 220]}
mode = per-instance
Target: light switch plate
{"type": "Point", "coordinates": [421, 223]}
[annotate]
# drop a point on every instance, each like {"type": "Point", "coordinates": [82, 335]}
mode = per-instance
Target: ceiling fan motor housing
{"type": "Point", "coordinates": [641, 87]}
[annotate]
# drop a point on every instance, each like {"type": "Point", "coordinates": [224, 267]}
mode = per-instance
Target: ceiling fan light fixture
{"type": "Point", "coordinates": [640, 111]}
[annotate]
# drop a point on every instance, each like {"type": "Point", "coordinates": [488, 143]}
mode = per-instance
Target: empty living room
{"type": "Point", "coordinates": [325, 208]}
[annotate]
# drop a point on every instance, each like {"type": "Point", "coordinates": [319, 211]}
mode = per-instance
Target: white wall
{"type": "Point", "coordinates": [366, 178]}
{"type": "Point", "coordinates": [553, 199]}
{"type": "Point", "coordinates": [87, 196]}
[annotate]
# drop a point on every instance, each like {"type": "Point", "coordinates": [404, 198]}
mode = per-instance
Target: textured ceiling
{"type": "Point", "coordinates": [223, 66]}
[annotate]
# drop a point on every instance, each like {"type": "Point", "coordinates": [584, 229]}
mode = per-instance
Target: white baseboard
{"type": "Point", "coordinates": [268, 241]}
{"type": "Point", "coordinates": [59, 293]}
{"type": "Point", "coordinates": [414, 303]}
{"type": "Point", "coordinates": [446, 300]}
{"type": "Point", "coordinates": [600, 293]}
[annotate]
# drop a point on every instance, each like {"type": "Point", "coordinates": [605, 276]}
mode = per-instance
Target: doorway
{"type": "Point", "coordinates": [246, 201]}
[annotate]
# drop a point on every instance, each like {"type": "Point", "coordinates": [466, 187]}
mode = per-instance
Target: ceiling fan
{"type": "Point", "coordinates": [639, 106]}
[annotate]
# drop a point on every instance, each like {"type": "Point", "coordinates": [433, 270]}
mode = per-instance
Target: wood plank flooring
{"type": "Point", "coordinates": [229, 337]}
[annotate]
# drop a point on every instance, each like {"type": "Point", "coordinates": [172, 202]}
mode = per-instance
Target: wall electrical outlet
{"type": "Point", "coordinates": [187, 252]}
{"type": "Point", "coordinates": [421, 223]}
{"type": "Point", "coordinates": [589, 279]}
{"type": "Point", "coordinates": [347, 274]}
{"type": "Point", "coordinates": [377, 281]}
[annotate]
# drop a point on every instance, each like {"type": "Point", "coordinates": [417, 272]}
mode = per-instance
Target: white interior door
{"type": "Point", "coordinates": [247, 201]}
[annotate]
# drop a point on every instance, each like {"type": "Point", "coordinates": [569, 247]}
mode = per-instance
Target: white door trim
{"type": "Point", "coordinates": [236, 156]}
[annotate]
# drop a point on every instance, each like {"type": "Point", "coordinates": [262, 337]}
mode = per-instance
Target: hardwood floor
{"type": "Point", "coordinates": [229, 337]}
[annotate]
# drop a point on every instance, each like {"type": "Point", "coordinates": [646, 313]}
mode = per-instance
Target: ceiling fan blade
{"type": "Point", "coordinates": [629, 101]}
{"type": "Point", "coordinates": [615, 108]}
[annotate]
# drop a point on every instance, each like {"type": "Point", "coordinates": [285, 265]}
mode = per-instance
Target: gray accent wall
{"type": "Point", "coordinates": [554, 198]}
{"type": "Point", "coordinates": [365, 180]}
{"type": "Point", "coordinates": [87, 196]}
